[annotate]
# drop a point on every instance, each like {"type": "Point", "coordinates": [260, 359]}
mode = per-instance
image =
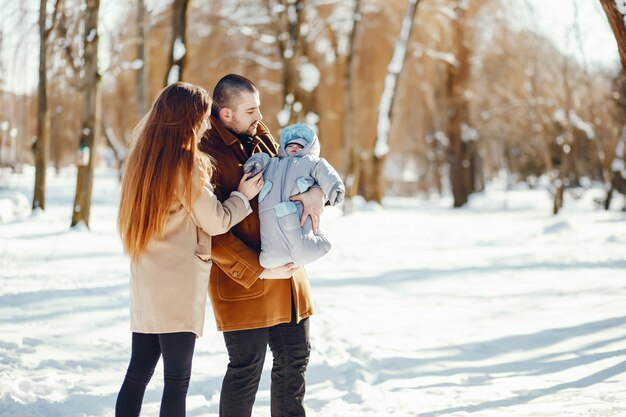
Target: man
{"type": "Point", "coordinates": [253, 306]}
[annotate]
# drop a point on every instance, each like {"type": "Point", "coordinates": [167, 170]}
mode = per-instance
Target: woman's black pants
{"type": "Point", "coordinates": [177, 350]}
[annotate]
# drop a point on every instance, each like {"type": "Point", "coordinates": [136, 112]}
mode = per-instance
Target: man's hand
{"type": "Point", "coordinates": [313, 202]}
{"type": "Point", "coordinates": [279, 272]}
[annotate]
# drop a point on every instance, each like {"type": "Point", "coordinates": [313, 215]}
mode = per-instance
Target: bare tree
{"type": "Point", "coordinates": [385, 107]}
{"type": "Point", "coordinates": [512, 98]}
{"type": "Point", "coordinates": [141, 104]}
{"type": "Point", "coordinates": [2, 68]}
{"type": "Point", "coordinates": [178, 46]}
{"type": "Point", "coordinates": [565, 142]}
{"type": "Point", "coordinates": [2, 75]}
{"type": "Point", "coordinates": [565, 119]}
{"type": "Point", "coordinates": [352, 161]}
{"type": "Point", "coordinates": [459, 132]}
{"type": "Point", "coordinates": [300, 77]}
{"type": "Point", "coordinates": [616, 20]}
{"type": "Point", "coordinates": [90, 115]}
{"type": "Point", "coordinates": [41, 147]}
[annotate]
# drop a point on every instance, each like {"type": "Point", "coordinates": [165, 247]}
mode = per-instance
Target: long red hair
{"type": "Point", "coordinates": [163, 152]}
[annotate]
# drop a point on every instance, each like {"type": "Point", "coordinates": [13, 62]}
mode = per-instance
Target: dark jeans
{"type": "Point", "coordinates": [289, 343]}
{"type": "Point", "coordinates": [177, 350]}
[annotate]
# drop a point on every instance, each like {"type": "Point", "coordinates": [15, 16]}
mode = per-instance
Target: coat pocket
{"type": "Point", "coordinates": [229, 289]}
{"type": "Point", "coordinates": [288, 215]}
{"type": "Point", "coordinates": [202, 270]}
{"type": "Point", "coordinates": [203, 245]}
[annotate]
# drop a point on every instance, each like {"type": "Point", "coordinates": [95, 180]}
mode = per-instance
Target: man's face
{"type": "Point", "coordinates": [244, 118]}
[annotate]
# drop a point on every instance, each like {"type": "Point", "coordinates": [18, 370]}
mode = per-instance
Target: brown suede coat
{"type": "Point", "coordinates": [239, 298]}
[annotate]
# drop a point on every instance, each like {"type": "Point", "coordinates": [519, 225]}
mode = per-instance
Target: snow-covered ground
{"type": "Point", "coordinates": [499, 309]}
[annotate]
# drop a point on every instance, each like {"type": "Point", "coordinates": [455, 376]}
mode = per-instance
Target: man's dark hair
{"type": "Point", "coordinates": [228, 89]}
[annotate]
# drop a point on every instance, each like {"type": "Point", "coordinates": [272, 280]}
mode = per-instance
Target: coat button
{"type": "Point", "coordinates": [236, 273]}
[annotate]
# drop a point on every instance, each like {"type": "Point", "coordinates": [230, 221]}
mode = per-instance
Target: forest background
{"type": "Point", "coordinates": [409, 97]}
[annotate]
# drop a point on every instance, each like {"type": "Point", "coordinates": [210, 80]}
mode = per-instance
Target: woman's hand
{"type": "Point", "coordinates": [279, 272]}
{"type": "Point", "coordinates": [250, 186]}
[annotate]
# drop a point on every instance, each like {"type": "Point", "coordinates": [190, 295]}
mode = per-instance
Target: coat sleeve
{"type": "Point", "coordinates": [329, 181]}
{"type": "Point", "coordinates": [257, 163]}
{"type": "Point", "coordinates": [234, 257]}
{"type": "Point", "coordinates": [208, 213]}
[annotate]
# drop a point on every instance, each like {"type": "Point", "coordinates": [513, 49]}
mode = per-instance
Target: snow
{"type": "Point", "coordinates": [137, 64]}
{"type": "Point", "coordinates": [174, 74]}
{"type": "Point", "coordinates": [179, 50]}
{"type": "Point", "coordinates": [259, 59]}
{"type": "Point", "coordinates": [312, 119]}
{"type": "Point", "coordinates": [284, 114]}
{"type": "Point", "coordinates": [91, 35]}
{"type": "Point", "coordinates": [576, 121]}
{"type": "Point", "coordinates": [309, 76]}
{"type": "Point", "coordinates": [495, 310]}
{"type": "Point", "coordinates": [267, 39]}
{"type": "Point", "coordinates": [447, 57]}
{"type": "Point", "coordinates": [13, 206]}
{"type": "Point", "coordinates": [383, 124]}
{"type": "Point", "coordinates": [288, 53]}
{"type": "Point", "coordinates": [292, 13]}
{"type": "Point", "coordinates": [399, 52]}
{"type": "Point", "coordinates": [617, 165]}
{"type": "Point", "coordinates": [441, 138]}
{"type": "Point", "coordinates": [468, 133]}
{"type": "Point", "coordinates": [381, 148]}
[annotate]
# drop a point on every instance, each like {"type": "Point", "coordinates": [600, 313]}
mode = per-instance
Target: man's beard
{"type": "Point", "coordinates": [249, 131]}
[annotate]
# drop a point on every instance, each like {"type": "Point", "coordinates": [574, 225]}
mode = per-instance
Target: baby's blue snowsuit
{"type": "Point", "coordinates": [282, 238]}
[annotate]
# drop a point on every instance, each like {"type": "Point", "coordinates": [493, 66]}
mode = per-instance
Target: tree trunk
{"type": "Point", "coordinates": [178, 47]}
{"type": "Point", "coordinates": [385, 108]}
{"type": "Point", "coordinates": [563, 180]}
{"type": "Point", "coordinates": [117, 147]}
{"type": "Point", "coordinates": [618, 169]}
{"type": "Point", "coordinates": [616, 20]}
{"type": "Point", "coordinates": [351, 164]}
{"type": "Point", "coordinates": [461, 165]}
{"type": "Point", "coordinates": [299, 99]}
{"type": "Point", "coordinates": [41, 146]}
{"type": "Point", "coordinates": [557, 203]}
{"type": "Point", "coordinates": [618, 25]}
{"type": "Point", "coordinates": [3, 70]}
{"type": "Point", "coordinates": [90, 116]}
{"type": "Point", "coordinates": [141, 105]}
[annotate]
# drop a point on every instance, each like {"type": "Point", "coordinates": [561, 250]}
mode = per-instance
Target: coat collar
{"type": "Point", "coordinates": [222, 132]}
{"type": "Point", "coordinates": [229, 138]}
{"type": "Point", "coordinates": [263, 141]}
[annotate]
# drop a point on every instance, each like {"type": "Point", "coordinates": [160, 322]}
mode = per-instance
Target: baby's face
{"type": "Point", "coordinates": [293, 148]}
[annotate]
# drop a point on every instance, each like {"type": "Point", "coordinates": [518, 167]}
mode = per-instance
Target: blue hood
{"type": "Point", "coordinates": [302, 134]}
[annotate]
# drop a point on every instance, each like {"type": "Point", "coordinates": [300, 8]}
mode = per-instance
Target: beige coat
{"type": "Point", "coordinates": [168, 284]}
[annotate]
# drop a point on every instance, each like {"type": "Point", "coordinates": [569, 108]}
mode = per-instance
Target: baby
{"type": "Point", "coordinates": [297, 167]}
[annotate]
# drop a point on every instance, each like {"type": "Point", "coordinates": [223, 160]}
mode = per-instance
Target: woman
{"type": "Point", "coordinates": [167, 213]}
